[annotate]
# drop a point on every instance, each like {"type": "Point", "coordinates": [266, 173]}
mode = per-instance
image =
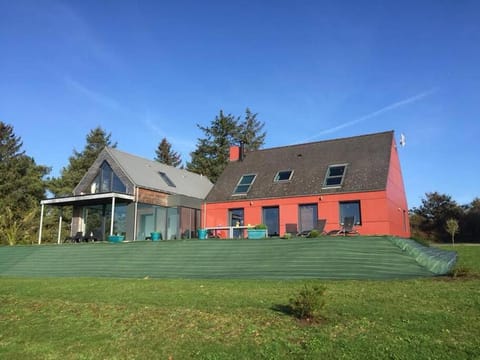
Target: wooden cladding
{"type": "Point", "coordinates": [152, 197]}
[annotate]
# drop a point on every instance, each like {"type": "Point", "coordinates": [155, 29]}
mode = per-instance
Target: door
{"type": "Point", "coordinates": [308, 215]}
{"type": "Point", "coordinates": [236, 217]}
{"type": "Point", "coordinates": [271, 218]}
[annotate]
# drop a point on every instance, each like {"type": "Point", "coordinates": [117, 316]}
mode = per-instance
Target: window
{"type": "Point", "coordinates": [335, 175]}
{"type": "Point", "coordinates": [284, 175]}
{"type": "Point", "coordinates": [350, 208]}
{"type": "Point", "coordinates": [166, 179]}
{"type": "Point", "coordinates": [244, 184]}
{"type": "Point", "coordinates": [107, 181]}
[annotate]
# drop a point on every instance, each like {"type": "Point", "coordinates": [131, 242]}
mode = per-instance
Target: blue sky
{"type": "Point", "coordinates": [312, 70]}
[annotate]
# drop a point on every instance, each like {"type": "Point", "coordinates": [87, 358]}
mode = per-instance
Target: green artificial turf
{"type": "Point", "coordinates": [298, 258]}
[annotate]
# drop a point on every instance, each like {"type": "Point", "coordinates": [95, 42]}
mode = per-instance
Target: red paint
{"type": "Point", "coordinates": [383, 212]}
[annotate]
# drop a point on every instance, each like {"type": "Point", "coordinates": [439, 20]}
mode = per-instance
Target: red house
{"type": "Point", "coordinates": [358, 176]}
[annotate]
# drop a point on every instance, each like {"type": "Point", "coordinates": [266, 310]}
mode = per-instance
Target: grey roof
{"type": "Point", "coordinates": [145, 173]}
{"type": "Point", "coordinates": [367, 158]}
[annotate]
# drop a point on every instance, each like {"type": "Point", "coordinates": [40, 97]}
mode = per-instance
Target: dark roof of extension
{"type": "Point", "coordinates": [367, 158]}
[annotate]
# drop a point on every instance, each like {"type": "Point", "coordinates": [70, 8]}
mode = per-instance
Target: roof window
{"type": "Point", "coordinates": [244, 184]}
{"type": "Point", "coordinates": [335, 175]}
{"type": "Point", "coordinates": [167, 180]}
{"type": "Point", "coordinates": [284, 175]}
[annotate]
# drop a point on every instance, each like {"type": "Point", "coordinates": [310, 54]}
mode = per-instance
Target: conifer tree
{"type": "Point", "coordinates": [166, 155]}
{"type": "Point", "coordinates": [212, 153]}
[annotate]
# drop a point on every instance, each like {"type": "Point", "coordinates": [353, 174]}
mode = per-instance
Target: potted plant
{"type": "Point", "coordinates": [259, 231]}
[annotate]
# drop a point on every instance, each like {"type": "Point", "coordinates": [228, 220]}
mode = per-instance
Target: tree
{"type": "Point", "coordinates": [79, 163]}
{"type": "Point", "coordinates": [166, 155]}
{"type": "Point", "coordinates": [22, 184]}
{"type": "Point", "coordinates": [212, 153]}
{"type": "Point", "coordinates": [433, 213]}
{"type": "Point", "coordinates": [470, 222]}
{"type": "Point", "coordinates": [452, 228]}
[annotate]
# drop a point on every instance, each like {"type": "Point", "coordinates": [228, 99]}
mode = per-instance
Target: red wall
{"type": "Point", "coordinates": [382, 212]}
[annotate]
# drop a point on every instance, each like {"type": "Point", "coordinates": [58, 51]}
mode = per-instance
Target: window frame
{"type": "Point", "coordinates": [277, 179]}
{"type": "Point", "coordinates": [328, 176]}
{"type": "Point", "coordinates": [358, 221]}
{"type": "Point", "coordinates": [239, 183]}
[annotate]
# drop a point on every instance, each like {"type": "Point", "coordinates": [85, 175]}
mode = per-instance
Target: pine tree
{"type": "Point", "coordinates": [21, 184]}
{"type": "Point", "coordinates": [212, 153]}
{"type": "Point", "coordinates": [79, 163]}
{"type": "Point", "coordinates": [166, 155]}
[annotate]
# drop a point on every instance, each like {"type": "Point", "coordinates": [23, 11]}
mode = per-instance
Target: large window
{"type": "Point", "coordinates": [350, 208]}
{"type": "Point", "coordinates": [244, 184]}
{"type": "Point", "coordinates": [335, 175]}
{"type": "Point", "coordinates": [107, 181]}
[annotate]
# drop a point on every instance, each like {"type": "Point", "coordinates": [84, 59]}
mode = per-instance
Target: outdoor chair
{"type": "Point", "coordinates": [291, 229]}
{"type": "Point", "coordinates": [77, 238]}
{"type": "Point", "coordinates": [348, 226]}
{"type": "Point", "coordinates": [320, 227]}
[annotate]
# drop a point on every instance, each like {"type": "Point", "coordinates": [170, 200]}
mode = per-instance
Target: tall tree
{"type": "Point", "coordinates": [251, 131]}
{"type": "Point", "coordinates": [166, 155]}
{"type": "Point", "coordinates": [212, 152]}
{"type": "Point", "coordinates": [22, 184]}
{"type": "Point", "coordinates": [434, 212]}
{"type": "Point", "coordinates": [80, 162]}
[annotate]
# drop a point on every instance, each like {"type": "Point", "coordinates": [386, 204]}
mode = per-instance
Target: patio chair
{"type": "Point", "coordinates": [78, 237]}
{"type": "Point", "coordinates": [348, 226]}
{"type": "Point", "coordinates": [320, 227]}
{"type": "Point", "coordinates": [291, 229]}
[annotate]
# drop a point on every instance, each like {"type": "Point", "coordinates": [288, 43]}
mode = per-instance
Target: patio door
{"type": "Point", "coordinates": [308, 215]}
{"type": "Point", "coordinates": [271, 218]}
{"type": "Point", "coordinates": [236, 217]}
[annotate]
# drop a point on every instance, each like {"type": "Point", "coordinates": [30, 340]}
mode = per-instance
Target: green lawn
{"type": "Point", "coordinates": [99, 318]}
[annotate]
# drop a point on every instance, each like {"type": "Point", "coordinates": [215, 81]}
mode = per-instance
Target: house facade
{"type": "Point", "coordinates": [358, 176]}
{"type": "Point", "coordinates": [125, 194]}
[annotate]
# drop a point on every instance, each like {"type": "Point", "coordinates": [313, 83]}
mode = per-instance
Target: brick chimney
{"type": "Point", "coordinates": [234, 153]}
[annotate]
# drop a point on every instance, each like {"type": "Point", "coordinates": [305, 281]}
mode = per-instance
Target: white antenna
{"type": "Point", "coordinates": [402, 140]}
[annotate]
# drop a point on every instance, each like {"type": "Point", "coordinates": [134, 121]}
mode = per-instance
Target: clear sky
{"type": "Point", "coordinates": [312, 70]}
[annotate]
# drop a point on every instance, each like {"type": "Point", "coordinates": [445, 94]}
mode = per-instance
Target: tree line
{"type": "Point", "coordinates": [24, 183]}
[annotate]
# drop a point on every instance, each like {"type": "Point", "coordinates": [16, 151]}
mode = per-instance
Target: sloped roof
{"type": "Point", "coordinates": [367, 158]}
{"type": "Point", "coordinates": [146, 173]}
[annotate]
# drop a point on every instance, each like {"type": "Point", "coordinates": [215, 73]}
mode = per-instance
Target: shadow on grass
{"type": "Point", "coordinates": [284, 309]}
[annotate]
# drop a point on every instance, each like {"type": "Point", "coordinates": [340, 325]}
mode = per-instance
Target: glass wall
{"type": "Point", "coordinates": [172, 222]}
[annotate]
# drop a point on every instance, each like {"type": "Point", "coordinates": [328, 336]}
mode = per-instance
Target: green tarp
{"type": "Point", "coordinates": [297, 258]}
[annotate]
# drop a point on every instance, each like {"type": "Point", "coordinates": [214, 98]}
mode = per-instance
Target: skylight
{"type": "Point", "coordinates": [335, 175]}
{"type": "Point", "coordinates": [244, 184]}
{"type": "Point", "coordinates": [166, 179]}
{"type": "Point", "coordinates": [284, 175]}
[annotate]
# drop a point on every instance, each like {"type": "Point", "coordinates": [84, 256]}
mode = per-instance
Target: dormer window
{"type": "Point", "coordinates": [244, 184]}
{"type": "Point", "coordinates": [284, 175]}
{"type": "Point", "coordinates": [335, 175]}
{"type": "Point", "coordinates": [167, 180]}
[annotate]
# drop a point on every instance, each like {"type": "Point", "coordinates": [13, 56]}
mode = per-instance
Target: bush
{"type": "Point", "coordinates": [308, 303]}
{"type": "Point", "coordinates": [313, 234]}
{"type": "Point", "coordinates": [287, 236]}
{"type": "Point", "coordinates": [261, 227]}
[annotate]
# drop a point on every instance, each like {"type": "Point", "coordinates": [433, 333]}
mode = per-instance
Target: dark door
{"type": "Point", "coordinates": [271, 219]}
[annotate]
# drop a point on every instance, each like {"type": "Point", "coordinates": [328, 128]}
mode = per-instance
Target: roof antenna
{"type": "Point", "coordinates": [402, 140]}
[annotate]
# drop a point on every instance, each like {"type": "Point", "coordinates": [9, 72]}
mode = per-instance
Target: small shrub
{"type": "Point", "coordinates": [308, 303]}
{"type": "Point", "coordinates": [261, 226]}
{"type": "Point", "coordinates": [313, 234]}
{"type": "Point", "coordinates": [287, 236]}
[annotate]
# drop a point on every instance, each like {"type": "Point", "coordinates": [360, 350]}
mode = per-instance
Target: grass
{"type": "Point", "coordinates": [92, 318]}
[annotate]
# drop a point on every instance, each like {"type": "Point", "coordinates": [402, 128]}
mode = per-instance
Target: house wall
{"type": "Point", "coordinates": [152, 197]}
{"type": "Point", "coordinates": [374, 211]}
{"type": "Point", "coordinates": [397, 200]}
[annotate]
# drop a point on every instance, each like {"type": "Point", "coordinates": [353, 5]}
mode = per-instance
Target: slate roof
{"type": "Point", "coordinates": [144, 173]}
{"type": "Point", "coordinates": [367, 158]}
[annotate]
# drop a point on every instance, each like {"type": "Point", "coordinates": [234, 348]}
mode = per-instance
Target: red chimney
{"type": "Point", "coordinates": [234, 153]}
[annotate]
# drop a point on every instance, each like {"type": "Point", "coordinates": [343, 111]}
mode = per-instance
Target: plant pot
{"type": "Point", "coordinates": [202, 234]}
{"type": "Point", "coordinates": [257, 233]}
{"type": "Point", "coordinates": [156, 236]}
{"type": "Point", "coordinates": [116, 238]}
